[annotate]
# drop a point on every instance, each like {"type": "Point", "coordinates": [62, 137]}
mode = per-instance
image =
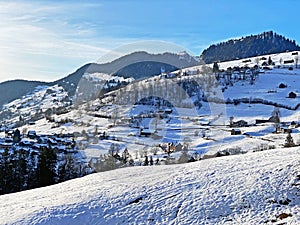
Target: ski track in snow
{"type": "Point", "coordinates": [229, 190]}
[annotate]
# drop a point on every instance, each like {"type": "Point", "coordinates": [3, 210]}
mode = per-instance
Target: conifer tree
{"type": "Point", "coordinates": [289, 141]}
{"type": "Point", "coordinates": [46, 167]}
{"type": "Point", "coordinates": [146, 162]}
{"type": "Point", "coordinates": [151, 161]}
{"type": "Point", "coordinates": [215, 67]}
{"type": "Point", "coordinates": [270, 61]}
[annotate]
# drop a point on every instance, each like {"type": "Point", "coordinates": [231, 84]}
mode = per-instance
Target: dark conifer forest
{"type": "Point", "coordinates": [250, 46]}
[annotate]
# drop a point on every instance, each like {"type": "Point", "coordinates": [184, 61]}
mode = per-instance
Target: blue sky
{"type": "Point", "coordinates": [46, 40]}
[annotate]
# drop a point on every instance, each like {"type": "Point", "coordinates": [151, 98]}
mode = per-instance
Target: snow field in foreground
{"type": "Point", "coordinates": [254, 188]}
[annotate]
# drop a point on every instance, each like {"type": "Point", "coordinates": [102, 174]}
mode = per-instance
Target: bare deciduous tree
{"type": "Point", "coordinates": [296, 60]}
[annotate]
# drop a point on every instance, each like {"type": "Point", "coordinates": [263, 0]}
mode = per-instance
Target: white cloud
{"type": "Point", "coordinates": [35, 38]}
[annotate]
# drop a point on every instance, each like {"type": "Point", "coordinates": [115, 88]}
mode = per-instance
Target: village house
{"type": "Point", "coordinates": [31, 134]}
{"type": "Point", "coordinates": [294, 124]}
{"type": "Point", "coordinates": [240, 123]}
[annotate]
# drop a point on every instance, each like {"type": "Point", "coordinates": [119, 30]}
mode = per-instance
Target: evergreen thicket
{"type": "Point", "coordinates": [24, 169]}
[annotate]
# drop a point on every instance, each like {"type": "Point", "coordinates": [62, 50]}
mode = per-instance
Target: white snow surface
{"type": "Point", "coordinates": [240, 189]}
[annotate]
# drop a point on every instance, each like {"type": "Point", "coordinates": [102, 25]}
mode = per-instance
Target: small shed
{"type": "Point", "coordinates": [260, 121]}
{"type": "Point", "coordinates": [236, 131]}
{"type": "Point", "coordinates": [292, 95]}
{"type": "Point", "coordinates": [288, 61]}
{"type": "Point", "coordinates": [168, 111]}
{"type": "Point", "coordinates": [145, 132]}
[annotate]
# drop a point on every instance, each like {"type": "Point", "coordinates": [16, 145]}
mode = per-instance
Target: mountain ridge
{"type": "Point", "coordinates": [14, 89]}
{"type": "Point", "coordinates": [148, 65]}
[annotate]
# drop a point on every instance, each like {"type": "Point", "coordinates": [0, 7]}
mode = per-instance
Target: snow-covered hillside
{"type": "Point", "coordinates": [195, 126]}
{"type": "Point", "coordinates": [94, 85]}
{"type": "Point", "coordinates": [41, 98]}
{"type": "Point", "coordinates": [34, 105]}
{"type": "Point", "coordinates": [177, 117]}
{"type": "Point", "coordinates": [255, 188]}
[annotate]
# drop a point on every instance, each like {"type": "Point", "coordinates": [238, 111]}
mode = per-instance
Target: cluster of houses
{"type": "Point", "coordinates": [62, 143]}
{"type": "Point", "coordinates": [240, 73]}
{"type": "Point", "coordinates": [283, 127]}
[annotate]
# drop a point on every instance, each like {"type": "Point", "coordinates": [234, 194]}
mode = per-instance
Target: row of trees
{"type": "Point", "coordinates": [117, 159]}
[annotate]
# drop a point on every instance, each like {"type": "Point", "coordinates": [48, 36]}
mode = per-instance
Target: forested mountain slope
{"type": "Point", "coordinates": [249, 46]}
